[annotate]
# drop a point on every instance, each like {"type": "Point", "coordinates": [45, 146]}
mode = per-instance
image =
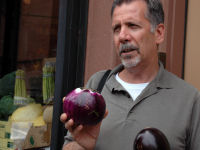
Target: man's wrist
{"type": "Point", "coordinates": [73, 146]}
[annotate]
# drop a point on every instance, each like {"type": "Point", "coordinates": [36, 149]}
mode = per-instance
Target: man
{"type": "Point", "coordinates": [139, 93]}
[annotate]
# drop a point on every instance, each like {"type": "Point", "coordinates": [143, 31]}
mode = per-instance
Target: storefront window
{"type": "Point", "coordinates": [37, 41]}
{"type": "Point", "coordinates": [27, 65]}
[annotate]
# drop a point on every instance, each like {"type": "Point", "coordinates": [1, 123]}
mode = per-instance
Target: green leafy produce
{"type": "Point", "coordinates": [6, 107]}
{"type": "Point", "coordinates": [7, 84]}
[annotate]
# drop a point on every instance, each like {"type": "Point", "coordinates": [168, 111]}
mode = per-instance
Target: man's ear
{"type": "Point", "coordinates": [160, 33]}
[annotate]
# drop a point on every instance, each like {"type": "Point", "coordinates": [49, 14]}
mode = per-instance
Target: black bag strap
{"type": "Point", "coordinates": [102, 81]}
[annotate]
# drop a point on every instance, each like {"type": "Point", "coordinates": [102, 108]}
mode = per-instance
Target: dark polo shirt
{"type": "Point", "coordinates": [168, 103]}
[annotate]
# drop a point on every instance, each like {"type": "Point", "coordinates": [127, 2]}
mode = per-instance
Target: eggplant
{"type": "Point", "coordinates": [84, 106]}
{"type": "Point", "coordinates": [151, 139]}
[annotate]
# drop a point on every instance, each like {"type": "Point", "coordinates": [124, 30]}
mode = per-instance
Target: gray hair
{"type": "Point", "coordinates": [155, 12]}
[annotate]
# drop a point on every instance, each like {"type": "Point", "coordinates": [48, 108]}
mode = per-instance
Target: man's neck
{"type": "Point", "coordinates": [139, 74]}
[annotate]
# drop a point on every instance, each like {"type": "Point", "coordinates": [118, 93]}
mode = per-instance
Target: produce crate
{"type": "Point", "coordinates": [5, 129]}
{"type": "Point", "coordinates": [6, 144]}
{"type": "Point", "coordinates": [38, 137]}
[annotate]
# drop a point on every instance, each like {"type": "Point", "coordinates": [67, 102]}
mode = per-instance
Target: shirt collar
{"type": "Point", "coordinates": [160, 81]}
{"type": "Point", "coordinates": [162, 78]}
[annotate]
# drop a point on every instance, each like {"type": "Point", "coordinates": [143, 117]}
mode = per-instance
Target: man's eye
{"type": "Point", "coordinates": [133, 26]}
{"type": "Point", "coordinates": [116, 29]}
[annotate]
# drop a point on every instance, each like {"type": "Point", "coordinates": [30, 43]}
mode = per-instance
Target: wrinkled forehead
{"type": "Point", "coordinates": [136, 9]}
{"type": "Point", "coordinates": [120, 2]}
{"type": "Point", "coordinates": [132, 5]}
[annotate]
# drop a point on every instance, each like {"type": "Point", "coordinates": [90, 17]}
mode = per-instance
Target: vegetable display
{"type": "Point", "coordinates": [48, 84]}
{"type": "Point", "coordinates": [84, 106]}
{"type": "Point", "coordinates": [151, 139]}
{"type": "Point", "coordinates": [48, 114]}
{"type": "Point", "coordinates": [20, 95]}
{"type": "Point", "coordinates": [27, 113]}
{"type": "Point", "coordinates": [7, 84]}
{"type": "Point", "coordinates": [6, 107]}
{"type": "Point", "coordinates": [20, 86]}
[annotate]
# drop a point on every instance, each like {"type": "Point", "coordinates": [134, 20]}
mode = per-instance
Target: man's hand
{"type": "Point", "coordinates": [85, 136]}
{"type": "Point", "coordinates": [73, 146]}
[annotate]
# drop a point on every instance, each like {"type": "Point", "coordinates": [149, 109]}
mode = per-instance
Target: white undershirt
{"type": "Point", "coordinates": [133, 89]}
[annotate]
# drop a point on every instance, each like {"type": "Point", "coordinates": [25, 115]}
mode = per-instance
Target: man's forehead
{"type": "Point", "coordinates": [134, 6]}
{"type": "Point", "coordinates": [130, 11]}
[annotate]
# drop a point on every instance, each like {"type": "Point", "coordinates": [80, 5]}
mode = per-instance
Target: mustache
{"type": "Point", "coordinates": [128, 47]}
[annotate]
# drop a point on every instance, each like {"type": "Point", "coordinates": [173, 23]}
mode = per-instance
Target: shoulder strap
{"type": "Point", "coordinates": [102, 81]}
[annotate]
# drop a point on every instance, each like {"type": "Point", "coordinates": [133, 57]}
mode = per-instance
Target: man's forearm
{"type": "Point", "coordinates": [73, 146]}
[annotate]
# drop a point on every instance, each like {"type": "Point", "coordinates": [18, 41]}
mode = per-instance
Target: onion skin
{"type": "Point", "coordinates": [84, 106]}
{"type": "Point", "coordinates": [151, 139]}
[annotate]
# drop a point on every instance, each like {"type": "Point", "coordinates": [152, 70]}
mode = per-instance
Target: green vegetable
{"type": "Point", "coordinates": [48, 84]}
{"type": "Point", "coordinates": [7, 84]}
{"type": "Point", "coordinates": [20, 87]}
{"type": "Point", "coordinates": [6, 107]}
{"type": "Point", "coordinates": [20, 95]}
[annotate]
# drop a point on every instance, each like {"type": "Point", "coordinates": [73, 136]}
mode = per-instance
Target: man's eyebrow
{"type": "Point", "coordinates": [131, 23]}
{"type": "Point", "coordinates": [116, 25]}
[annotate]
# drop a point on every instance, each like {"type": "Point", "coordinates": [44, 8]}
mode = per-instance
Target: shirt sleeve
{"type": "Point", "coordinates": [68, 138]}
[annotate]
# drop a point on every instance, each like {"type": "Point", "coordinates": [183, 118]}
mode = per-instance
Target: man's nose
{"type": "Point", "coordinates": [124, 35]}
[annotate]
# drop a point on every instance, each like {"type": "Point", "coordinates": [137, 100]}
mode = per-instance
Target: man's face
{"type": "Point", "coordinates": [133, 39]}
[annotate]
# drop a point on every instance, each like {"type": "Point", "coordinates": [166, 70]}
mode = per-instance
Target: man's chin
{"type": "Point", "coordinates": [130, 63]}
